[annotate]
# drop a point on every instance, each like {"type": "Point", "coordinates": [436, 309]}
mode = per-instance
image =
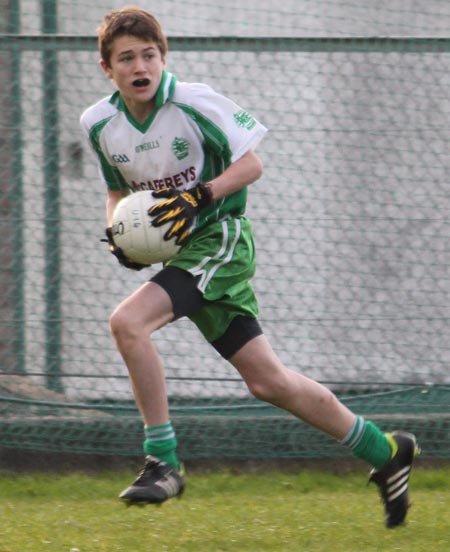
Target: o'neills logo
{"type": "Point", "coordinates": [174, 181]}
{"type": "Point", "coordinates": [154, 144]}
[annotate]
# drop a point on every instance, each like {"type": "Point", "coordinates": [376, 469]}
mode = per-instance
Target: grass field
{"type": "Point", "coordinates": [279, 512]}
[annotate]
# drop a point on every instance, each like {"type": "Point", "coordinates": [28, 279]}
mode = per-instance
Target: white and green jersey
{"type": "Point", "coordinates": [192, 135]}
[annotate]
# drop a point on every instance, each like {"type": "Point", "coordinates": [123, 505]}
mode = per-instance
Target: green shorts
{"type": "Point", "coordinates": [221, 257]}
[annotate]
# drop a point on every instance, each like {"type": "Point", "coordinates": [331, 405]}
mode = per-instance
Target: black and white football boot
{"type": "Point", "coordinates": [157, 482]}
{"type": "Point", "coordinates": [393, 478]}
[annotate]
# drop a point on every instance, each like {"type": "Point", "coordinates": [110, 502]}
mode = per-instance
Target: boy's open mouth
{"type": "Point", "coordinates": [141, 82]}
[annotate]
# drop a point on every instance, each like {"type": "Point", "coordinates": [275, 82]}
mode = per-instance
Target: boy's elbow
{"type": "Point", "coordinates": [258, 167]}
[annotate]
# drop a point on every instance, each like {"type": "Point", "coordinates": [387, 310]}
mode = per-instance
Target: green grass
{"type": "Point", "coordinates": [277, 512]}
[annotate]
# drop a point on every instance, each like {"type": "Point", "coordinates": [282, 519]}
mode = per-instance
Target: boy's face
{"type": "Point", "coordinates": [136, 67]}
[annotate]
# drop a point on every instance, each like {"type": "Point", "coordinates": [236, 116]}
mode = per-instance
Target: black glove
{"type": "Point", "coordinates": [180, 208]}
{"type": "Point", "coordinates": [119, 254]}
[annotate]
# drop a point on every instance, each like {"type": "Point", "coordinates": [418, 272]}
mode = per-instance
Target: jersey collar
{"type": "Point", "coordinates": [163, 95]}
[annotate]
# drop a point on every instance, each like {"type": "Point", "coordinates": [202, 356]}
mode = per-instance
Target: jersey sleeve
{"type": "Point", "coordinates": [221, 118]}
{"type": "Point", "coordinates": [92, 125]}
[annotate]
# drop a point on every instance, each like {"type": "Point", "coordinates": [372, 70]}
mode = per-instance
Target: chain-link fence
{"type": "Point", "coordinates": [350, 220]}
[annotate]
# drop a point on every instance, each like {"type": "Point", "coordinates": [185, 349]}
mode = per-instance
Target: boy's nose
{"type": "Point", "coordinates": [139, 65]}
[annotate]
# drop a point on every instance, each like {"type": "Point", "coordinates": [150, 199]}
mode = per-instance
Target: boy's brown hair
{"type": "Point", "coordinates": [132, 21]}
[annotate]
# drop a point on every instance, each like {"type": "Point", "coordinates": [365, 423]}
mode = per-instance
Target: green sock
{"type": "Point", "coordinates": [160, 441]}
{"type": "Point", "coordinates": [369, 443]}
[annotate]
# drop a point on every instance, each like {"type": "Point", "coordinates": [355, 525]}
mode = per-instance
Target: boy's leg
{"type": "Point", "coordinates": [269, 380]}
{"type": "Point", "coordinates": [132, 322]}
{"type": "Point", "coordinates": [391, 455]}
{"type": "Point", "coordinates": [153, 305]}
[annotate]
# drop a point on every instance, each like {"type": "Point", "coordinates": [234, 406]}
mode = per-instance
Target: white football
{"type": "Point", "coordinates": [133, 232]}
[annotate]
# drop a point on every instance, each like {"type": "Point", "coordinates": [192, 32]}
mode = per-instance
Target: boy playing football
{"type": "Point", "coordinates": [194, 150]}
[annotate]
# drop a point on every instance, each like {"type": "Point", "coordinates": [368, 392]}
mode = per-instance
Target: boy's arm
{"type": "Point", "coordinates": [238, 175]}
{"type": "Point", "coordinates": [111, 201]}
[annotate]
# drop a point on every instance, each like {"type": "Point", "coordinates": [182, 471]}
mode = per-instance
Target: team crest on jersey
{"type": "Point", "coordinates": [180, 148]}
{"type": "Point", "coordinates": [244, 120]}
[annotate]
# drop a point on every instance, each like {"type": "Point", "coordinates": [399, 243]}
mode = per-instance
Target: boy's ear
{"type": "Point", "coordinates": [105, 68]}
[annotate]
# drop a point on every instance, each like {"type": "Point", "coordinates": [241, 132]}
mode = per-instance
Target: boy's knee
{"type": "Point", "coordinates": [267, 390]}
{"type": "Point", "coordinates": [120, 324]}
{"type": "Point", "coordinates": [258, 390]}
